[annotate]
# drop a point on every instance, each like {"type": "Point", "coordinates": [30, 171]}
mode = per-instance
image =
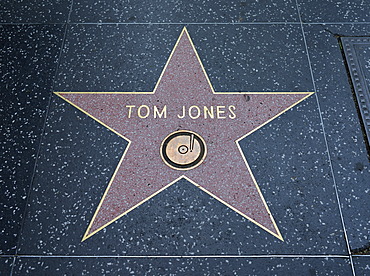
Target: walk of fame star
{"type": "Point", "coordinates": [183, 129]}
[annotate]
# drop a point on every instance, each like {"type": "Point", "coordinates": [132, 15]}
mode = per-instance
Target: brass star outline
{"type": "Point", "coordinates": [88, 233]}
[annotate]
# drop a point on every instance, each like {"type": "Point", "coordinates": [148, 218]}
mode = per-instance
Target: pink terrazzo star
{"type": "Point", "coordinates": [141, 172]}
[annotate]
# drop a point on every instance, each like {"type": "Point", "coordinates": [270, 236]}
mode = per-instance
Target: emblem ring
{"type": "Point", "coordinates": [183, 150]}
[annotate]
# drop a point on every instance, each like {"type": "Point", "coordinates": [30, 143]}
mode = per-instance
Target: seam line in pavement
{"type": "Point", "coordinates": [41, 138]}
{"type": "Point", "coordinates": [177, 256]}
{"type": "Point", "coordinates": [327, 146]}
{"type": "Point", "coordinates": [190, 23]}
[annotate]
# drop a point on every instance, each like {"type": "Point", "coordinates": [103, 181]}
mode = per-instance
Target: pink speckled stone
{"type": "Point", "coordinates": [142, 171]}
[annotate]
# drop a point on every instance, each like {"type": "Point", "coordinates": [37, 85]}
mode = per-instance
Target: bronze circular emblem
{"type": "Point", "coordinates": [183, 150]}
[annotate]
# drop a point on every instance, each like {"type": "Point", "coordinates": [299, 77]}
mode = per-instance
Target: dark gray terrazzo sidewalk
{"type": "Point", "coordinates": [311, 163]}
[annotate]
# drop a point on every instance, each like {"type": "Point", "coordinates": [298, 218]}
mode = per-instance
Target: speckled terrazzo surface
{"type": "Point", "coordinates": [311, 163]}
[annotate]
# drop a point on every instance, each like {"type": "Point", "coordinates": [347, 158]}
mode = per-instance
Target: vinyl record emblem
{"type": "Point", "coordinates": [183, 150]}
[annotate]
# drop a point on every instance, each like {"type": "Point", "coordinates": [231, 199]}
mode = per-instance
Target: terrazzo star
{"type": "Point", "coordinates": [199, 148]}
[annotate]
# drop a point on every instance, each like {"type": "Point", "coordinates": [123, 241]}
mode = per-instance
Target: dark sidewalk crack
{"type": "Point", "coordinates": [365, 250]}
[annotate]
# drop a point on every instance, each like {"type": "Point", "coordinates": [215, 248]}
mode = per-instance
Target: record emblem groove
{"type": "Point", "coordinates": [183, 150]}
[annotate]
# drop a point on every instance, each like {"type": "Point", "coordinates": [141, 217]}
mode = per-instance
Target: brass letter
{"type": "Point", "coordinates": [209, 112]}
{"type": "Point", "coordinates": [183, 112]}
{"type": "Point", "coordinates": [163, 113]}
{"type": "Point", "coordinates": [147, 111]}
{"type": "Point", "coordinates": [233, 115]}
{"type": "Point", "coordinates": [129, 110]}
{"type": "Point", "coordinates": [219, 112]}
{"type": "Point", "coordinates": [198, 110]}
